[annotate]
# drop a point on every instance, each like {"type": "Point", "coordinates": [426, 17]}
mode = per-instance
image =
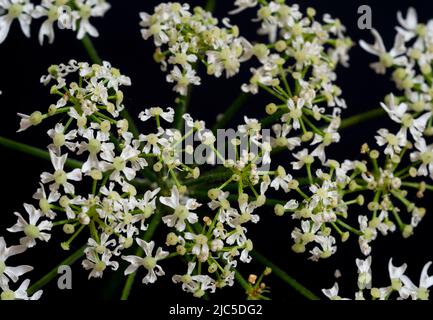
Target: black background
{"type": "Point", "coordinates": [23, 61]}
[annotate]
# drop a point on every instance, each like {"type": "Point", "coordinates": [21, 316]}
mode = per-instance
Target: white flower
{"type": "Point", "coordinates": [157, 112]}
{"type": "Point", "coordinates": [54, 11]}
{"type": "Point", "coordinates": [399, 114]}
{"type": "Point", "coordinates": [60, 177]}
{"type": "Point", "coordinates": [421, 292]}
{"type": "Point", "coordinates": [45, 202]}
{"type": "Point", "coordinates": [32, 230]}
{"type": "Point", "coordinates": [386, 59]}
{"type": "Point", "coordinates": [201, 246]}
{"type": "Point", "coordinates": [98, 265]}
{"type": "Point", "coordinates": [303, 157]}
{"type": "Point", "coordinates": [149, 262]}
{"type": "Point", "coordinates": [15, 9]}
{"type": "Point", "coordinates": [332, 293]}
{"type": "Point", "coordinates": [119, 164]}
{"type": "Point", "coordinates": [20, 293]}
{"type": "Point", "coordinates": [182, 212]}
{"type": "Point", "coordinates": [60, 138]}
{"type": "Point", "coordinates": [183, 79]}
{"type": "Point", "coordinates": [282, 179]}
{"type": "Point", "coordinates": [7, 272]}
{"type": "Point", "coordinates": [425, 155]}
{"type": "Point", "coordinates": [242, 5]}
{"type": "Point", "coordinates": [395, 274]}
{"type": "Point", "coordinates": [364, 273]}
{"type": "Point", "coordinates": [393, 143]}
{"type": "Point", "coordinates": [409, 24]}
{"type": "Point", "coordinates": [281, 139]}
{"type": "Point", "coordinates": [86, 10]}
{"type": "Point", "coordinates": [327, 248]}
{"type": "Point", "coordinates": [295, 113]}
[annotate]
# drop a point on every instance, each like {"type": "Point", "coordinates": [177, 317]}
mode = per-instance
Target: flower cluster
{"type": "Point", "coordinates": [67, 14]}
{"type": "Point", "coordinates": [400, 285]}
{"type": "Point", "coordinates": [184, 38]}
{"type": "Point", "coordinates": [105, 194]}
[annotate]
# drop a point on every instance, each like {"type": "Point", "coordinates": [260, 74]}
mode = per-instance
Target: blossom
{"type": "Point", "coordinates": [60, 177]}
{"type": "Point", "coordinates": [7, 272]}
{"type": "Point", "coordinates": [32, 230]}
{"type": "Point", "coordinates": [54, 11]}
{"type": "Point", "coordinates": [332, 293]}
{"type": "Point", "coordinates": [149, 262]}
{"type": "Point", "coordinates": [421, 291]}
{"type": "Point", "coordinates": [424, 154]}
{"type": "Point", "coordinates": [242, 5]}
{"type": "Point", "coordinates": [15, 9]}
{"type": "Point", "coordinates": [364, 273]}
{"type": "Point", "coordinates": [86, 10]}
{"type": "Point", "coordinates": [409, 25]}
{"type": "Point", "coordinates": [98, 265]}
{"type": "Point", "coordinates": [387, 59]}
{"type": "Point", "coordinates": [182, 212]}
{"type": "Point", "coordinates": [183, 79]}
{"type": "Point", "coordinates": [20, 293]}
{"type": "Point", "coordinates": [157, 112]}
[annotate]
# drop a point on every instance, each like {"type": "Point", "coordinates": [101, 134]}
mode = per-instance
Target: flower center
{"type": "Point", "coordinates": [427, 157]}
{"type": "Point", "coordinates": [181, 212]}
{"type": "Point", "coordinates": [422, 294]}
{"type": "Point", "coordinates": [52, 13]}
{"type": "Point", "coordinates": [119, 164]}
{"type": "Point", "coordinates": [100, 266]}
{"type": "Point", "coordinates": [15, 10]}
{"type": "Point", "coordinates": [152, 138]}
{"type": "Point", "coordinates": [7, 295]}
{"type": "Point", "coordinates": [149, 263]}
{"type": "Point", "coordinates": [60, 177]}
{"type": "Point", "coordinates": [31, 231]}
{"type": "Point", "coordinates": [59, 139]}
{"type": "Point", "coordinates": [201, 239]}
{"type": "Point", "coordinates": [85, 12]}
{"type": "Point", "coordinates": [94, 146]}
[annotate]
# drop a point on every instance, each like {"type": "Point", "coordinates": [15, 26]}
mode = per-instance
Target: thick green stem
{"type": "Point", "coordinates": [284, 276]}
{"type": "Point", "coordinates": [91, 51]}
{"type": "Point", "coordinates": [363, 117]}
{"type": "Point", "coordinates": [156, 220]}
{"type": "Point", "coordinates": [33, 151]}
{"type": "Point", "coordinates": [242, 282]}
{"type": "Point", "coordinates": [54, 272]}
{"type": "Point", "coordinates": [231, 111]}
{"type": "Point", "coordinates": [210, 5]}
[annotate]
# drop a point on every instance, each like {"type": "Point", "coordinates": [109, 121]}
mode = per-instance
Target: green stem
{"type": "Point", "coordinates": [54, 272]}
{"type": "Point", "coordinates": [210, 5]}
{"type": "Point", "coordinates": [147, 236]}
{"type": "Point", "coordinates": [231, 111]}
{"type": "Point", "coordinates": [242, 282]}
{"type": "Point", "coordinates": [415, 185]}
{"type": "Point", "coordinates": [363, 117]}
{"type": "Point", "coordinates": [284, 276]}
{"type": "Point", "coordinates": [36, 152]}
{"type": "Point", "coordinates": [91, 50]}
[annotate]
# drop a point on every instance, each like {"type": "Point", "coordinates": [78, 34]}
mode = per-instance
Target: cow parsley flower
{"type": "Point", "coordinates": [149, 262]}
{"type": "Point", "coordinates": [15, 9]}
{"type": "Point", "coordinates": [32, 229]}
